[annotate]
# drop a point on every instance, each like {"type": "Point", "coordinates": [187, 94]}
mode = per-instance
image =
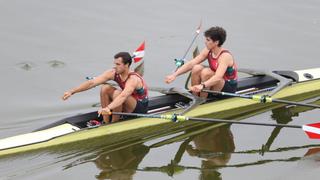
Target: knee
{"type": "Point", "coordinates": [106, 89]}
{"type": "Point", "coordinates": [115, 94]}
{"type": "Point", "coordinates": [197, 69]}
{"type": "Point", "coordinates": [206, 73]}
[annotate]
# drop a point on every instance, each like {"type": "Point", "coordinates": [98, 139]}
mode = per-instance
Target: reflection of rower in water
{"type": "Point", "coordinates": [282, 115]}
{"type": "Point", "coordinates": [120, 164]}
{"type": "Point", "coordinates": [215, 146]}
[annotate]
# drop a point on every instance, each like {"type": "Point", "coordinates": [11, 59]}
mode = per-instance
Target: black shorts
{"type": "Point", "coordinates": [228, 87]}
{"type": "Point", "coordinates": [141, 107]}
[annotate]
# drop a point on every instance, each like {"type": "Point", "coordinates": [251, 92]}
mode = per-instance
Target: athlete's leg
{"type": "Point", "coordinates": [130, 104]}
{"type": "Point", "coordinates": [107, 94]}
{"type": "Point", "coordinates": [206, 74]}
{"type": "Point", "coordinates": [196, 75]}
{"type": "Point", "coordinates": [115, 118]}
{"type": "Point", "coordinates": [219, 86]}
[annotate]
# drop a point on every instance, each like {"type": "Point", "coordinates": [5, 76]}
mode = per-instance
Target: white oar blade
{"type": "Point", "coordinates": [312, 130]}
{"type": "Point", "coordinates": [140, 69]}
{"type": "Point", "coordinates": [199, 28]}
{"type": "Point", "coordinates": [139, 53]}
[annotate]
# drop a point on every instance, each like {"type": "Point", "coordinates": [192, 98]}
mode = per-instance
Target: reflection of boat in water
{"type": "Point", "coordinates": [215, 148]}
{"type": "Point", "coordinates": [123, 162]}
{"type": "Point", "coordinates": [120, 164]}
{"type": "Point", "coordinates": [223, 148]}
{"type": "Point", "coordinates": [283, 115]}
{"type": "Point", "coordinates": [217, 141]}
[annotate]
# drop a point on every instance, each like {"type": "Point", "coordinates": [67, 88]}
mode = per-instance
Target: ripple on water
{"type": "Point", "coordinates": [27, 66]}
{"type": "Point", "coordinates": [56, 64]}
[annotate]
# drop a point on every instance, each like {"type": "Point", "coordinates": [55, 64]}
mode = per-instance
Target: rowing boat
{"type": "Point", "coordinates": [73, 131]}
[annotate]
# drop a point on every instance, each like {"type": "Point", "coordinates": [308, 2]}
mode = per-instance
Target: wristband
{"type": "Point", "coordinates": [203, 85]}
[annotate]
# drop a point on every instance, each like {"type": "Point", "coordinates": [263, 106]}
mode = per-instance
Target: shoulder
{"type": "Point", "coordinates": [105, 76]}
{"type": "Point", "coordinates": [133, 79]}
{"type": "Point", "coordinates": [205, 52]}
{"type": "Point", "coordinates": [109, 73]}
{"type": "Point", "coordinates": [226, 57]}
{"type": "Point", "coordinates": [202, 56]}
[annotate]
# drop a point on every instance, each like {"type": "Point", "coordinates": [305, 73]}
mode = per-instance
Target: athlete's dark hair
{"type": "Point", "coordinates": [216, 34]}
{"type": "Point", "coordinates": [126, 57]}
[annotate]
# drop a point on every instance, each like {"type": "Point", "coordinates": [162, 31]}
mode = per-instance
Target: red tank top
{"type": "Point", "coordinates": [231, 74]}
{"type": "Point", "coordinates": [139, 94]}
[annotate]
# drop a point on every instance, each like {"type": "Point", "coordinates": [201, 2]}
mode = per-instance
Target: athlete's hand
{"type": "Point", "coordinates": [104, 111]}
{"type": "Point", "coordinates": [66, 95]}
{"type": "Point", "coordinates": [170, 78]}
{"type": "Point", "coordinates": [197, 88]}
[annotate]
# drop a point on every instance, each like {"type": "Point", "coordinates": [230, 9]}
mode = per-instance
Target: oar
{"type": "Point", "coordinates": [137, 56]}
{"type": "Point", "coordinates": [312, 130]}
{"type": "Point", "coordinates": [261, 98]}
{"type": "Point", "coordinates": [180, 62]}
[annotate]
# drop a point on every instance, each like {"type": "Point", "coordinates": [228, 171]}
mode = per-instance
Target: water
{"type": "Point", "coordinates": [47, 47]}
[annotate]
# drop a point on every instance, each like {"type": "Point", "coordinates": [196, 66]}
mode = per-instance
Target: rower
{"type": "Point", "coordinates": [132, 95]}
{"type": "Point", "coordinates": [222, 73]}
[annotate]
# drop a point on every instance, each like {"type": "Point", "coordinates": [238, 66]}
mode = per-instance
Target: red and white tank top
{"type": "Point", "coordinates": [231, 74]}
{"type": "Point", "coordinates": [140, 94]}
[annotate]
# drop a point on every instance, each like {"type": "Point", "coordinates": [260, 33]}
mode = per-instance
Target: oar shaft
{"type": "Point", "coordinates": [228, 94]}
{"type": "Point", "coordinates": [295, 103]}
{"type": "Point", "coordinates": [194, 38]}
{"type": "Point", "coordinates": [190, 45]}
{"type": "Point", "coordinates": [246, 123]}
{"type": "Point", "coordinates": [180, 62]}
{"type": "Point", "coordinates": [262, 98]}
{"type": "Point", "coordinates": [137, 115]}
{"type": "Point", "coordinates": [185, 118]}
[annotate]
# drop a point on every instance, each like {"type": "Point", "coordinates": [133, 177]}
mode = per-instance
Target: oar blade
{"type": "Point", "coordinates": [199, 27]}
{"type": "Point", "coordinates": [139, 53]}
{"type": "Point", "coordinates": [140, 69]}
{"type": "Point", "coordinates": [312, 130]}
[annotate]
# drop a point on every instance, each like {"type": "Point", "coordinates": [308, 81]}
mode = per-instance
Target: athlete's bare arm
{"type": "Point", "coordinates": [188, 66]}
{"type": "Point", "coordinates": [106, 76]}
{"type": "Point", "coordinates": [132, 83]}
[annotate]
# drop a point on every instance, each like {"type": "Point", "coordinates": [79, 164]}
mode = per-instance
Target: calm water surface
{"type": "Point", "coordinates": [47, 47]}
